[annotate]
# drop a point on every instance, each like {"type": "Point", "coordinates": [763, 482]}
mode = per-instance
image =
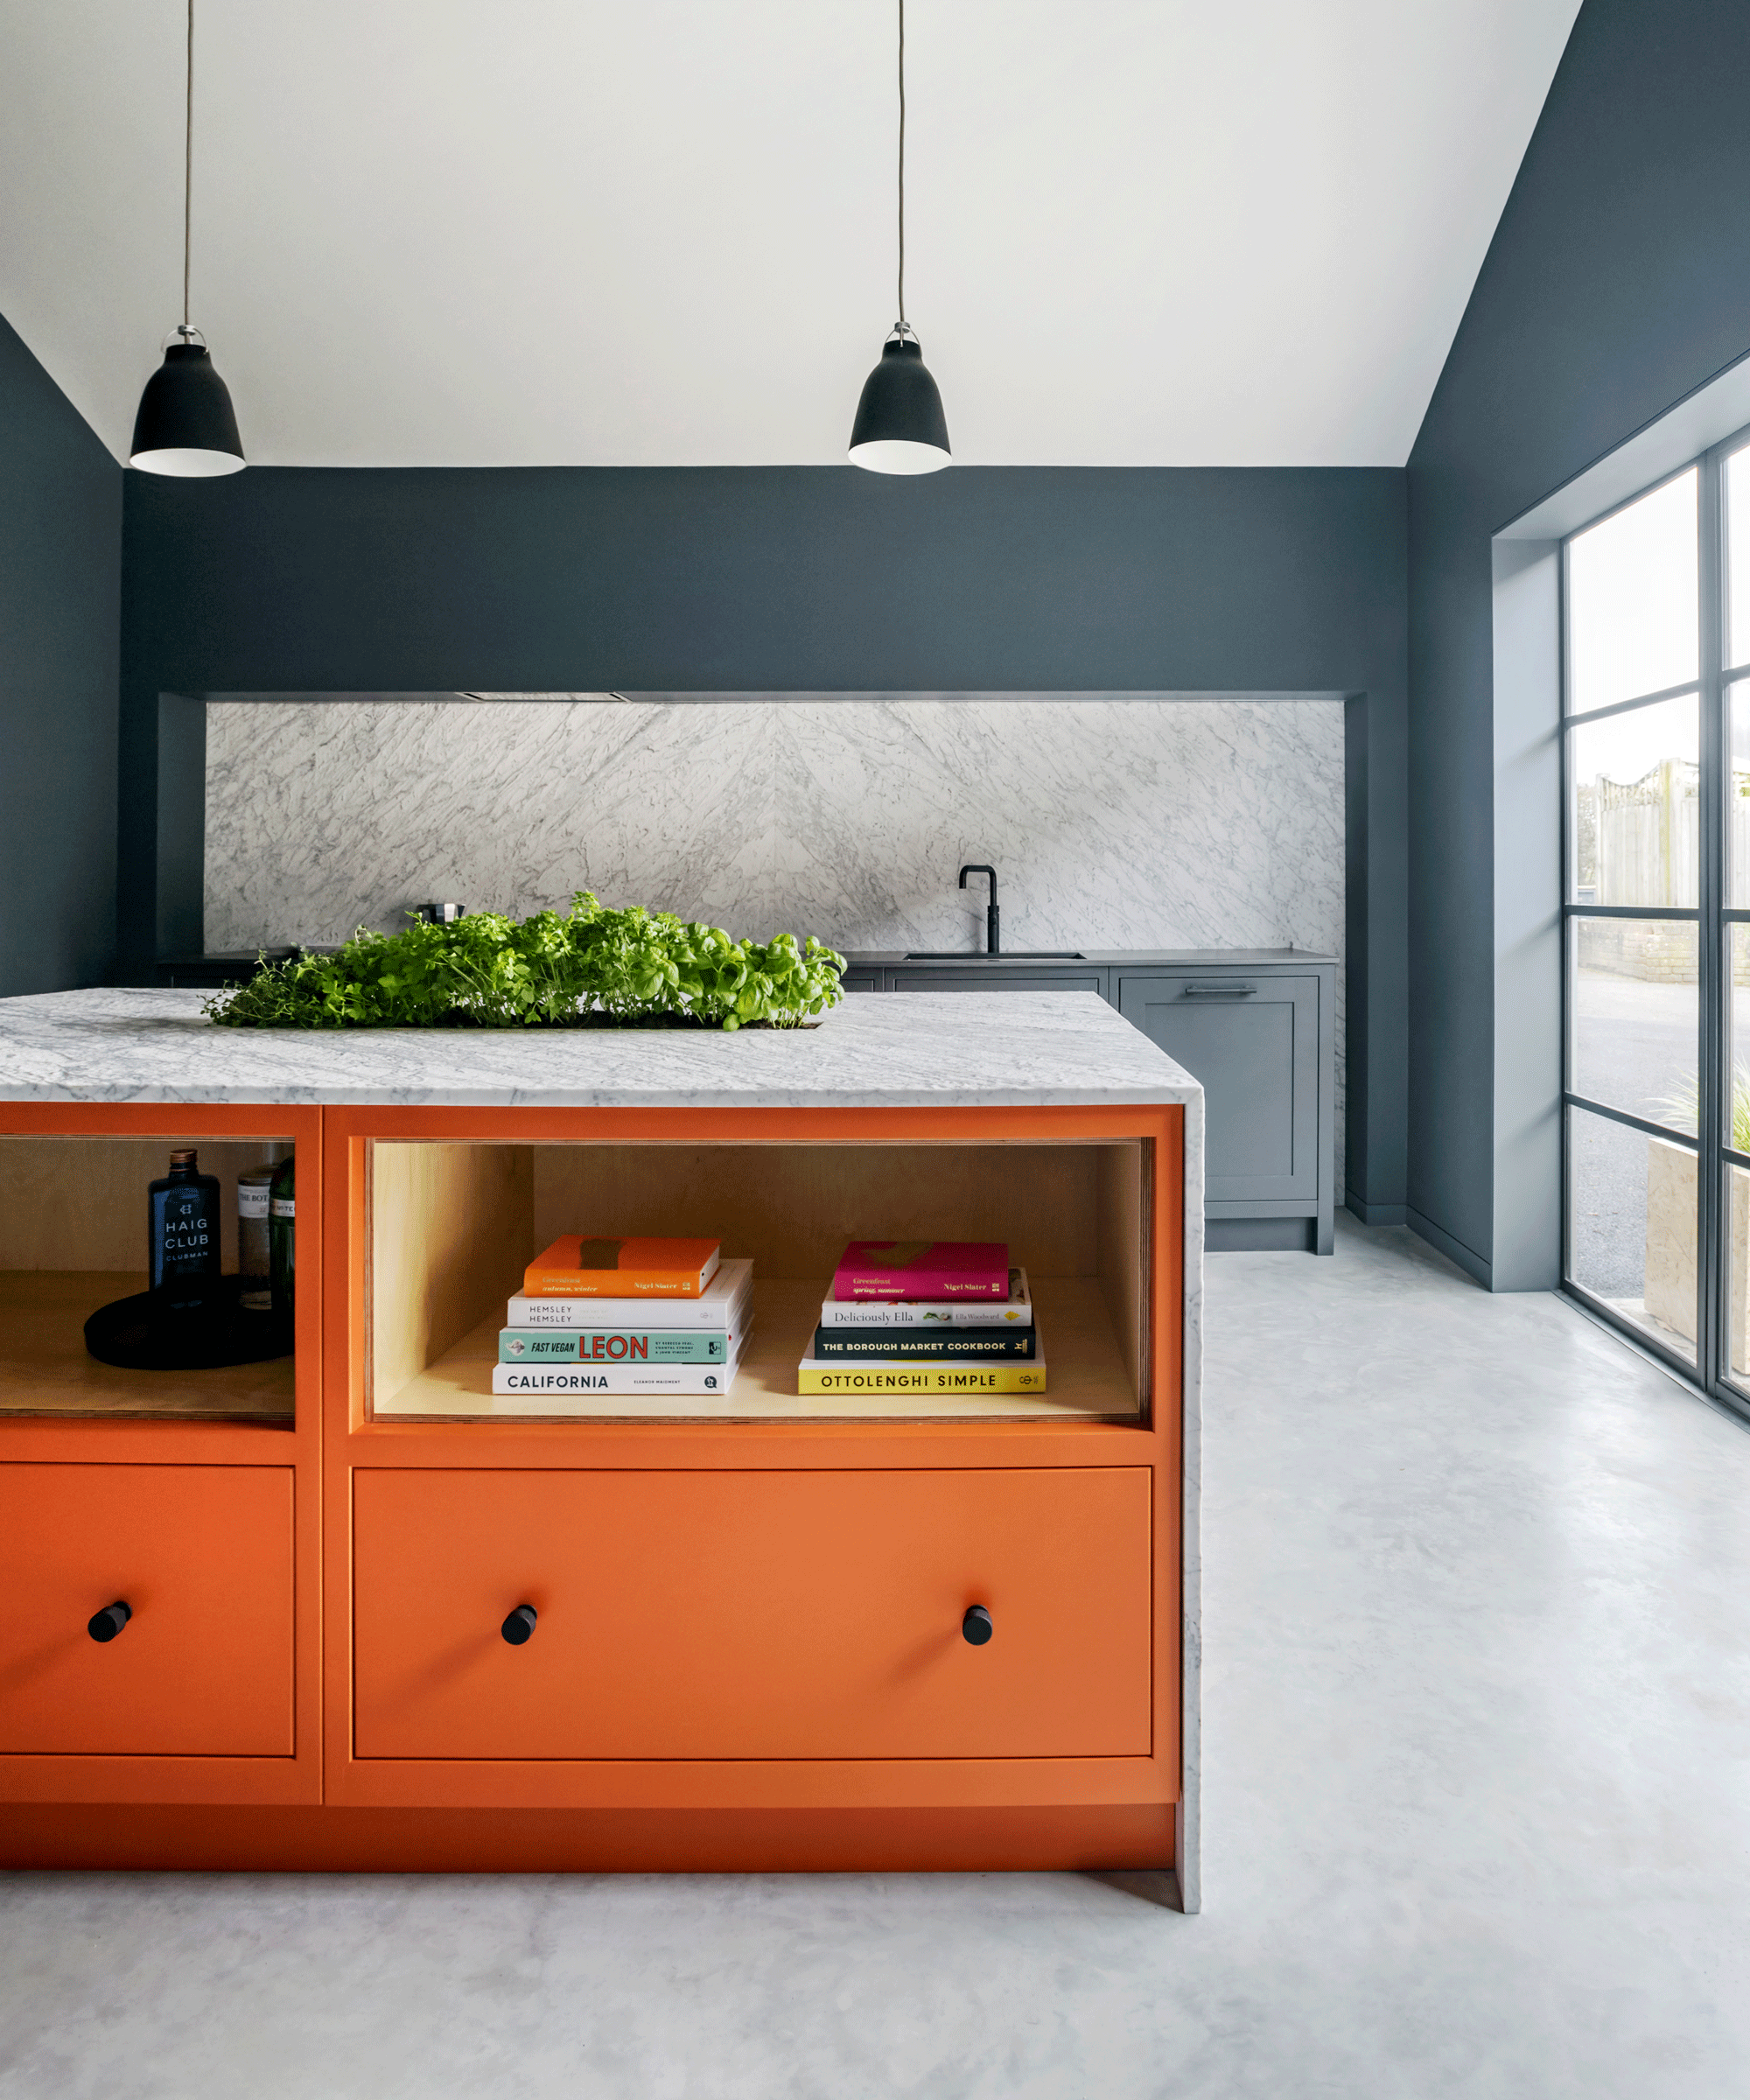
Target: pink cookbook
{"type": "Point", "coordinates": [950, 1270]}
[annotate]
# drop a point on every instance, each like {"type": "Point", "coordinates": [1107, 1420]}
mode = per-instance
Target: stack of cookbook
{"type": "Point", "coordinates": [926, 1317]}
{"type": "Point", "coordinates": [633, 1317]}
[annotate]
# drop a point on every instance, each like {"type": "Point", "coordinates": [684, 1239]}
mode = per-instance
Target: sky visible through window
{"type": "Point", "coordinates": [1632, 600]}
{"type": "Point", "coordinates": [1626, 747]}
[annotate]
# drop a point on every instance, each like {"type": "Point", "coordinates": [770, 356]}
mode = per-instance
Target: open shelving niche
{"type": "Point", "coordinates": [73, 1237]}
{"type": "Point", "coordinates": [452, 1226]}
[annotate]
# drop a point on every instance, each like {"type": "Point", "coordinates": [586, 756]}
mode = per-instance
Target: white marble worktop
{"type": "Point", "coordinates": [926, 1049]}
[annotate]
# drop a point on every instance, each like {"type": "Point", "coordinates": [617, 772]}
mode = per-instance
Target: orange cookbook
{"type": "Point", "coordinates": [574, 1266]}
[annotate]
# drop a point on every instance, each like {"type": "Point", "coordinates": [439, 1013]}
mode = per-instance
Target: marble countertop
{"type": "Point", "coordinates": [950, 1049]}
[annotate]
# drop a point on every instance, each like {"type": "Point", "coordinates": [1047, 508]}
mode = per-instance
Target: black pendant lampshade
{"type": "Point", "coordinates": [186, 425]}
{"type": "Point", "coordinates": [900, 427]}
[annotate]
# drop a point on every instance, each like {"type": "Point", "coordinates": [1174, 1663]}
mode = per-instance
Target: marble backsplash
{"type": "Point", "coordinates": [1113, 822]}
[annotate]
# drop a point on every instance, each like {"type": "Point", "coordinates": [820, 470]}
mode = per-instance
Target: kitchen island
{"type": "Point", "coordinates": [748, 1649]}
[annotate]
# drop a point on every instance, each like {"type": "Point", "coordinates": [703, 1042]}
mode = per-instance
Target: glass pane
{"type": "Point", "coordinates": [1634, 811]}
{"type": "Point", "coordinates": [1636, 1017]}
{"type": "Point", "coordinates": [1738, 1278]}
{"type": "Point", "coordinates": [1738, 557]}
{"type": "Point", "coordinates": [1632, 1227]}
{"type": "Point", "coordinates": [1633, 613]}
{"type": "Point", "coordinates": [1737, 1126]}
{"type": "Point", "coordinates": [1738, 794]}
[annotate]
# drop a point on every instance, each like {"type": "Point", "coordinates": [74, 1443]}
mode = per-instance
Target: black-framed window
{"type": "Point", "coordinates": [1656, 780]}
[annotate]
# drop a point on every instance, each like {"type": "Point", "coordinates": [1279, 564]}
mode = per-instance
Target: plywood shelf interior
{"type": "Point", "coordinates": [1089, 1379]}
{"type": "Point", "coordinates": [45, 1368]}
{"type": "Point", "coordinates": [452, 1225]}
{"type": "Point", "coordinates": [73, 1237]}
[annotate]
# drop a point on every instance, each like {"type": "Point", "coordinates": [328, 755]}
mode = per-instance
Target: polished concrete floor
{"type": "Point", "coordinates": [1477, 1807]}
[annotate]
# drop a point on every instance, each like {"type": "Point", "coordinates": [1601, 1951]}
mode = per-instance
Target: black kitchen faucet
{"type": "Point", "coordinates": [993, 923]}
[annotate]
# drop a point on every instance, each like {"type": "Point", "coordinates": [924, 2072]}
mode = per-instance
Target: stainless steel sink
{"type": "Point", "coordinates": [1007, 955]}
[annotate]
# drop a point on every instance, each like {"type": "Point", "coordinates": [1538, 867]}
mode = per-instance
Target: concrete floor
{"type": "Point", "coordinates": [1477, 1807]}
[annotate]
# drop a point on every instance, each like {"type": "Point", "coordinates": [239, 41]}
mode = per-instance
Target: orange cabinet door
{"type": "Point", "coordinates": [201, 1555]}
{"type": "Point", "coordinates": [752, 1615]}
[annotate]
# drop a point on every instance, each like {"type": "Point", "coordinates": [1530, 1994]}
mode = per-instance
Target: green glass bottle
{"type": "Point", "coordinates": [283, 1235]}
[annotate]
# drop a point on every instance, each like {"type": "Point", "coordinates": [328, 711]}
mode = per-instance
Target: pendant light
{"type": "Point", "coordinates": [186, 426]}
{"type": "Point", "coordinates": [900, 427]}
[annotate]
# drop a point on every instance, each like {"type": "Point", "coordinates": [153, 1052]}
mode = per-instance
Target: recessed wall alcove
{"type": "Point", "coordinates": [1122, 820]}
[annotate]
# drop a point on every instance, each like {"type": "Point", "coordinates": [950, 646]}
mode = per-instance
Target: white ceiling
{"type": "Point", "coordinates": [568, 232]}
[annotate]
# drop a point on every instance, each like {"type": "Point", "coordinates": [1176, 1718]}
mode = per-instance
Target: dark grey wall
{"type": "Point", "coordinates": [788, 579]}
{"type": "Point", "coordinates": [60, 575]}
{"type": "Point", "coordinates": [1617, 283]}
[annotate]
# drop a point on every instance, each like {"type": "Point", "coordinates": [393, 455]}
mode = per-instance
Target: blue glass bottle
{"type": "Point", "coordinates": [182, 1236]}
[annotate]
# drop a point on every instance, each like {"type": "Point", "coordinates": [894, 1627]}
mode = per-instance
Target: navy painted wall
{"type": "Point", "coordinates": [1617, 283]}
{"type": "Point", "coordinates": [60, 570]}
{"type": "Point", "coordinates": [766, 580]}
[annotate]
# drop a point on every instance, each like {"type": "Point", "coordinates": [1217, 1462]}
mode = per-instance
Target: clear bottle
{"type": "Point", "coordinates": [255, 1258]}
{"type": "Point", "coordinates": [182, 1238]}
{"type": "Point", "coordinates": [283, 1235]}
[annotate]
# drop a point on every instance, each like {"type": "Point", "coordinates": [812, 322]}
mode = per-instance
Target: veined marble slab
{"type": "Point", "coordinates": [929, 1049]}
{"type": "Point", "coordinates": [1115, 821]}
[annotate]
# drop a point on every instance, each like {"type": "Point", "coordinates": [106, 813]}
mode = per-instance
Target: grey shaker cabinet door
{"type": "Point", "coordinates": [1254, 1043]}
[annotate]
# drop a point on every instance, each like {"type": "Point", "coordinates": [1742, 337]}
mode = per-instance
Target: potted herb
{"type": "Point", "coordinates": [590, 966]}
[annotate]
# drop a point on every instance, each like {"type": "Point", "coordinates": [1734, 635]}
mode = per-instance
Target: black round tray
{"type": "Point", "coordinates": [133, 1336]}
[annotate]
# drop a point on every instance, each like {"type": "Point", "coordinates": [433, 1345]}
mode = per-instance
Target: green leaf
{"type": "Point", "coordinates": [542, 970]}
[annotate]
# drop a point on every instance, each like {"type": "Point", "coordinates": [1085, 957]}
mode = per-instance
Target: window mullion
{"type": "Point", "coordinates": [1713, 1345]}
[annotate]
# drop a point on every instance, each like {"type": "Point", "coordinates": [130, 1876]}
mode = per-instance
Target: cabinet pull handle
{"type": "Point", "coordinates": [519, 1625]}
{"type": "Point", "coordinates": [106, 1624]}
{"type": "Point", "coordinates": [976, 1625]}
{"type": "Point", "coordinates": [1219, 991]}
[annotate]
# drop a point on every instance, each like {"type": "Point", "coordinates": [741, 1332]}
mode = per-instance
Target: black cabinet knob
{"type": "Point", "coordinates": [519, 1625]}
{"type": "Point", "coordinates": [976, 1625]}
{"type": "Point", "coordinates": [106, 1624]}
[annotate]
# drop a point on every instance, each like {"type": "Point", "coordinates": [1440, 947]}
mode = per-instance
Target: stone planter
{"type": "Point", "coordinates": [1669, 1291]}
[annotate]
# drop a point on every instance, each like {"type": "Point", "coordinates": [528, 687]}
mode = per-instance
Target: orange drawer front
{"type": "Point", "coordinates": [202, 1557]}
{"type": "Point", "coordinates": [752, 1615]}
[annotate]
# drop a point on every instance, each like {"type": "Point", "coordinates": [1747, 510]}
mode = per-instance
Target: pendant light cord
{"type": "Point", "coordinates": [902, 158]}
{"type": "Point", "coordinates": [187, 167]}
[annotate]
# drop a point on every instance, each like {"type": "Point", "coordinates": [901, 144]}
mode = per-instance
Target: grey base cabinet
{"type": "Point", "coordinates": [1254, 1040]}
{"type": "Point", "coordinates": [1257, 1027]}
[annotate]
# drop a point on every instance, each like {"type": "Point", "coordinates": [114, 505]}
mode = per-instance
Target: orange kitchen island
{"type": "Point", "coordinates": [748, 1651]}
